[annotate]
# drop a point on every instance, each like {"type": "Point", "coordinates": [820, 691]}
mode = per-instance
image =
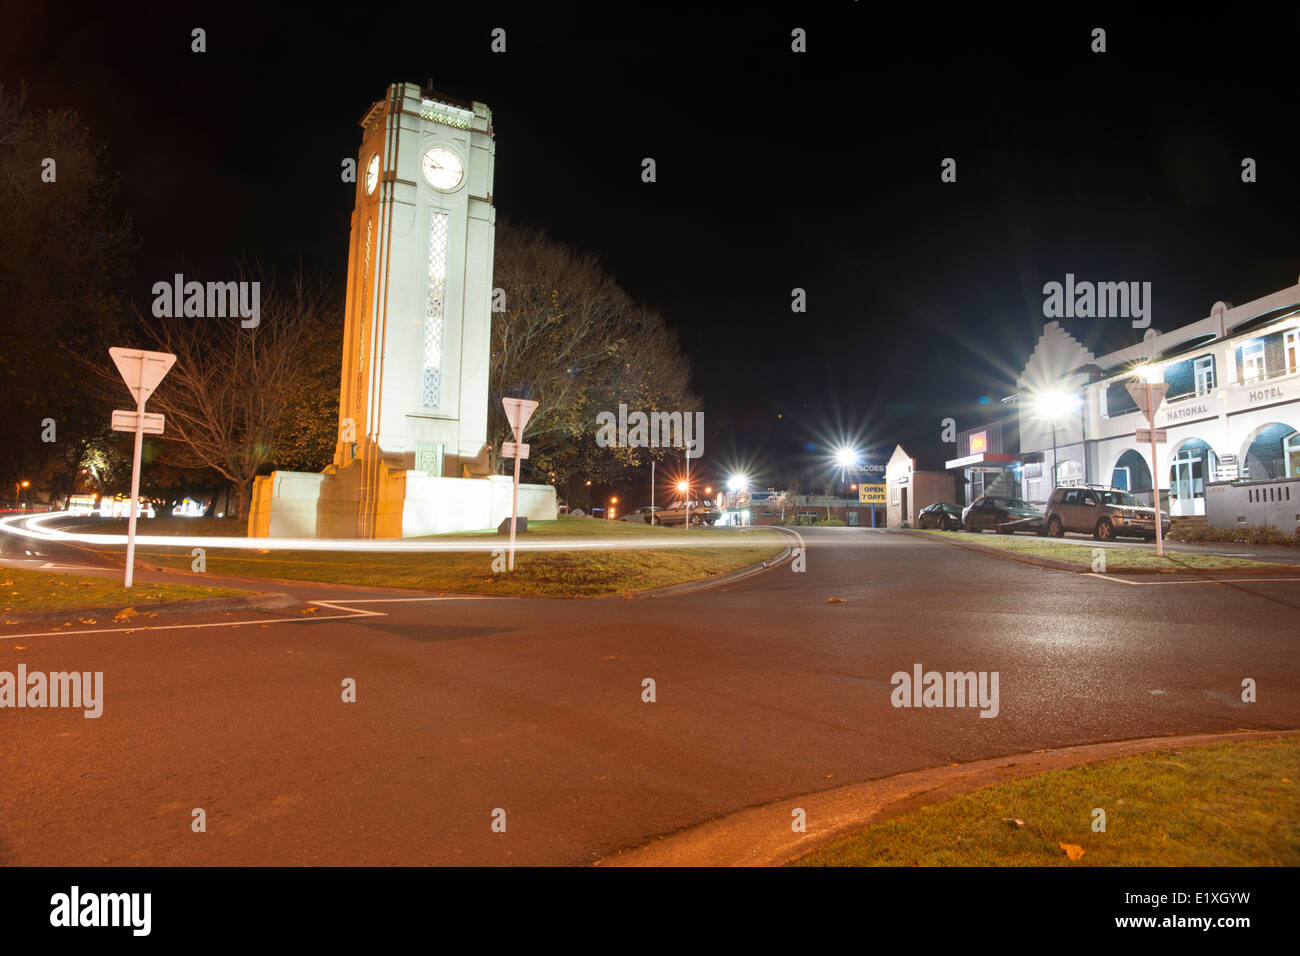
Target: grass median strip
{"type": "Point", "coordinates": [25, 591]}
{"type": "Point", "coordinates": [1081, 553]}
{"type": "Point", "coordinates": [1233, 804]}
{"type": "Point", "coordinates": [560, 573]}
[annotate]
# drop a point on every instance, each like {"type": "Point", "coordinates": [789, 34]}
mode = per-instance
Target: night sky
{"type": "Point", "coordinates": [775, 170]}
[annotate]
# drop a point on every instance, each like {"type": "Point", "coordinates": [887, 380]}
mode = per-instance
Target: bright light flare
{"type": "Point", "coordinates": [1147, 372]}
{"type": "Point", "coordinates": [1054, 403]}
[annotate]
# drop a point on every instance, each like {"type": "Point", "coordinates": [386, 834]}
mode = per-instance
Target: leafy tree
{"type": "Point", "coordinates": [63, 254]}
{"type": "Point", "coordinates": [571, 339]}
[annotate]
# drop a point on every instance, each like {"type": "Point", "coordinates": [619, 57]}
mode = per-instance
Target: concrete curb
{"type": "Point", "coordinates": [728, 578]}
{"type": "Point", "coordinates": [265, 601]}
{"type": "Point", "coordinates": [761, 836]}
{"type": "Point", "coordinates": [1057, 565]}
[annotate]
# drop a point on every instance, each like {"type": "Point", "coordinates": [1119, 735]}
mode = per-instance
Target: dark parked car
{"type": "Point", "coordinates": [1003, 515]}
{"type": "Point", "coordinates": [642, 515]}
{"type": "Point", "coordinates": [940, 515]}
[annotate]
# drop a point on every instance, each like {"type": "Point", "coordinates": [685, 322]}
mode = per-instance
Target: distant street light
{"type": "Point", "coordinates": [846, 458]}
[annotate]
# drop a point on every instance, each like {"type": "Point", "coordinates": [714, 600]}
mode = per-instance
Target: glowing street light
{"type": "Point", "coordinates": [1052, 405]}
{"type": "Point", "coordinates": [737, 483]}
{"type": "Point", "coordinates": [1149, 373]}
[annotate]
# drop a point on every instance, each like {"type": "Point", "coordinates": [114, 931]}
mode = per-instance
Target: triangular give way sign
{"type": "Point", "coordinates": [141, 370]}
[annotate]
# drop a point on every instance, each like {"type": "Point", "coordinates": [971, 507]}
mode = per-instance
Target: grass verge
{"type": "Point", "coordinates": [558, 573]}
{"type": "Point", "coordinates": [1116, 558]}
{"type": "Point", "coordinates": [1232, 804]}
{"type": "Point", "coordinates": [22, 591]}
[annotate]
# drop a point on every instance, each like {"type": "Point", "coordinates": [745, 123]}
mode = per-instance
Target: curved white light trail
{"type": "Point", "coordinates": [34, 528]}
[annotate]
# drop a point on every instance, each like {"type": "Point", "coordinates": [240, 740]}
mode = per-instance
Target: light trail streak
{"type": "Point", "coordinates": [34, 528]}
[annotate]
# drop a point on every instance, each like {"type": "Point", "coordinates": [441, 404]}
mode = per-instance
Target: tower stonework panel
{"type": "Point", "coordinates": [412, 456]}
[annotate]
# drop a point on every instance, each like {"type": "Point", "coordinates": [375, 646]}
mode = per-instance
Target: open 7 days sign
{"type": "Point", "coordinates": [871, 494]}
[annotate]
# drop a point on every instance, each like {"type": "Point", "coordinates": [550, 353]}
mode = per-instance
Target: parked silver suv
{"type": "Point", "coordinates": [1105, 513]}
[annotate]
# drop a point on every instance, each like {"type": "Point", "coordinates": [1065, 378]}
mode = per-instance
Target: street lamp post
{"type": "Point", "coordinates": [1051, 405]}
{"type": "Point", "coordinates": [846, 458]}
{"type": "Point", "coordinates": [1053, 452]}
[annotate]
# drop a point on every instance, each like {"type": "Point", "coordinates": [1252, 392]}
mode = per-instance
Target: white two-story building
{"type": "Point", "coordinates": [1231, 412]}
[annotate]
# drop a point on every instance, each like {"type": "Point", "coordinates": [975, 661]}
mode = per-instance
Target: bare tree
{"type": "Point", "coordinates": [231, 401]}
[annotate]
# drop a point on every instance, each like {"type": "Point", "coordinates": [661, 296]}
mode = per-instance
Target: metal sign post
{"type": "Point", "coordinates": [1148, 398]}
{"type": "Point", "coordinates": [687, 526]}
{"type": "Point", "coordinates": [142, 371]}
{"type": "Point", "coordinates": [518, 411]}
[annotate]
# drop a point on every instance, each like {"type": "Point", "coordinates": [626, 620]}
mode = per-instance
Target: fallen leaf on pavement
{"type": "Point", "coordinates": [125, 614]}
{"type": "Point", "coordinates": [310, 610]}
{"type": "Point", "coordinates": [835, 600]}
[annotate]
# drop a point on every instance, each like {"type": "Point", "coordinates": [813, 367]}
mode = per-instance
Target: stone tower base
{"type": "Point", "coordinates": [406, 504]}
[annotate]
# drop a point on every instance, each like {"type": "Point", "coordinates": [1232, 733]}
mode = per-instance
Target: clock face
{"type": "Point", "coordinates": [442, 168]}
{"type": "Point", "coordinates": [372, 174]}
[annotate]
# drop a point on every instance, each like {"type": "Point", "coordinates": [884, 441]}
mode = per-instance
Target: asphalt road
{"type": "Point", "coordinates": [466, 705]}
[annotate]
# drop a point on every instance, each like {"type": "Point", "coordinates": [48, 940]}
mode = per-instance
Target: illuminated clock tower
{"type": "Point", "coordinates": [418, 320]}
{"type": "Point", "coordinates": [411, 457]}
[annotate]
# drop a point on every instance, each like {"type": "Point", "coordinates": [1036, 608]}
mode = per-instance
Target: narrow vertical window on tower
{"type": "Point", "coordinates": [364, 326]}
{"type": "Point", "coordinates": [431, 380]}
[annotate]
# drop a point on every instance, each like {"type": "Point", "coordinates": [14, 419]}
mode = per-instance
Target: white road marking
{"type": "Point", "coordinates": [1118, 580]}
{"type": "Point", "coordinates": [356, 613]}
